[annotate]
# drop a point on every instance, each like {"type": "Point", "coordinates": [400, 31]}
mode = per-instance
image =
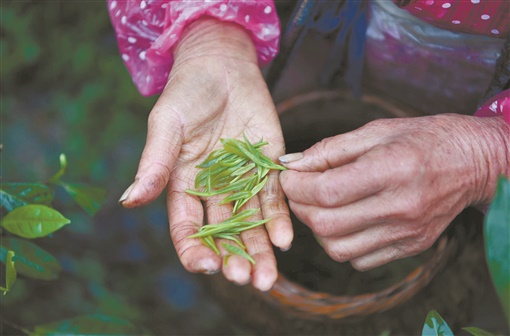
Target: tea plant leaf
{"type": "Point", "coordinates": [209, 241]}
{"type": "Point", "coordinates": [231, 237]}
{"type": "Point", "coordinates": [224, 172]}
{"type": "Point", "coordinates": [10, 272]}
{"type": "Point", "coordinates": [435, 325]}
{"type": "Point", "coordinates": [243, 170]}
{"type": "Point", "coordinates": [236, 196]}
{"type": "Point", "coordinates": [33, 193]}
{"type": "Point", "coordinates": [33, 221]}
{"type": "Point", "coordinates": [31, 260]}
{"type": "Point", "coordinates": [63, 167]}
{"type": "Point", "coordinates": [225, 259]}
{"type": "Point", "coordinates": [238, 251]}
{"type": "Point", "coordinates": [10, 202]}
{"type": "Point", "coordinates": [89, 198]}
{"type": "Point", "coordinates": [477, 331]}
{"type": "Point", "coordinates": [96, 324]}
{"type": "Point", "coordinates": [497, 242]}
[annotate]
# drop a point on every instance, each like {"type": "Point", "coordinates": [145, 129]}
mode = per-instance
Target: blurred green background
{"type": "Point", "coordinates": [64, 89]}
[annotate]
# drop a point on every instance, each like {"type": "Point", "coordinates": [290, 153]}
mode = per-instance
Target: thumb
{"type": "Point", "coordinates": [331, 152]}
{"type": "Point", "coordinates": [164, 139]}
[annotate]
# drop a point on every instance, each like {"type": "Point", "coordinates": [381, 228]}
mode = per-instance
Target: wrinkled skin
{"type": "Point", "coordinates": [215, 90]}
{"type": "Point", "coordinates": [383, 192]}
{"type": "Point", "coordinates": [389, 189]}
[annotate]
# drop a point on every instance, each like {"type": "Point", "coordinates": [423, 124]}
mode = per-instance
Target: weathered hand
{"type": "Point", "coordinates": [388, 190]}
{"type": "Point", "coordinates": [215, 90]}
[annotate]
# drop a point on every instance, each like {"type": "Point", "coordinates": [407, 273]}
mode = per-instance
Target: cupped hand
{"type": "Point", "coordinates": [388, 190]}
{"type": "Point", "coordinates": [215, 90]}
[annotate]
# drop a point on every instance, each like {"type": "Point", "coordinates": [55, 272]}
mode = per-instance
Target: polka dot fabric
{"type": "Point", "coordinates": [147, 30]}
{"type": "Point", "coordinates": [485, 17]}
{"type": "Point", "coordinates": [499, 105]}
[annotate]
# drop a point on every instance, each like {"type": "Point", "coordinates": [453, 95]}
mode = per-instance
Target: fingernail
{"type": "Point", "coordinates": [285, 249]}
{"type": "Point", "coordinates": [126, 193]}
{"type": "Point", "coordinates": [288, 158]}
{"type": "Point", "coordinates": [211, 272]}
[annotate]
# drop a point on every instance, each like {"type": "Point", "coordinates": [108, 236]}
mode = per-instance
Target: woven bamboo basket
{"type": "Point", "coordinates": [316, 296]}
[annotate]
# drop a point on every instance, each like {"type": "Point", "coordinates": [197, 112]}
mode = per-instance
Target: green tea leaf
{"type": "Point", "coordinates": [209, 241]}
{"type": "Point", "coordinates": [239, 195]}
{"type": "Point", "coordinates": [497, 242]}
{"type": "Point", "coordinates": [477, 331]}
{"type": "Point", "coordinates": [435, 325]}
{"type": "Point", "coordinates": [243, 170]}
{"type": "Point", "coordinates": [238, 251]}
{"type": "Point", "coordinates": [225, 259]}
{"type": "Point", "coordinates": [242, 215]}
{"type": "Point", "coordinates": [96, 324]}
{"type": "Point", "coordinates": [88, 198]}
{"type": "Point", "coordinates": [33, 193]}
{"type": "Point", "coordinates": [208, 230]}
{"type": "Point", "coordinates": [10, 272]}
{"type": "Point", "coordinates": [233, 238]}
{"type": "Point", "coordinates": [33, 221]}
{"type": "Point", "coordinates": [31, 260]}
{"type": "Point", "coordinates": [10, 202]}
{"type": "Point", "coordinates": [63, 167]}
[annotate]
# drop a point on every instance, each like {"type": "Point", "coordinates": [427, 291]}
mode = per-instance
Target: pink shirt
{"type": "Point", "coordinates": [485, 17]}
{"type": "Point", "coordinates": [147, 30]}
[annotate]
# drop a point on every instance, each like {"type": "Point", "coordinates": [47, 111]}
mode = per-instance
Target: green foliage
{"type": "Point", "coordinates": [497, 242]}
{"type": "Point", "coordinates": [34, 221]}
{"type": "Point", "coordinates": [435, 325]}
{"type": "Point", "coordinates": [87, 325]}
{"type": "Point", "coordinates": [477, 331]}
{"type": "Point", "coordinates": [30, 215]}
{"type": "Point", "coordinates": [29, 193]}
{"type": "Point", "coordinates": [10, 272]}
{"type": "Point", "coordinates": [10, 202]}
{"type": "Point", "coordinates": [31, 260]}
{"type": "Point", "coordinates": [89, 198]}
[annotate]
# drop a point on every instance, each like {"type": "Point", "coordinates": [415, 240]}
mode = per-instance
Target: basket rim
{"type": "Point", "coordinates": [302, 300]}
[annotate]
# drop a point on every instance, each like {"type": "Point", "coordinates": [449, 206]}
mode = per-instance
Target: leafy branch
{"type": "Point", "coordinates": [30, 216]}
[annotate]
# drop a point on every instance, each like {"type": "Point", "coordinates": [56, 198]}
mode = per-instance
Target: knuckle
{"type": "Point", "coordinates": [377, 125]}
{"type": "Point", "coordinates": [422, 243]}
{"type": "Point", "coordinates": [154, 182]}
{"type": "Point", "coordinates": [412, 209]}
{"type": "Point", "coordinates": [409, 162]}
{"type": "Point", "coordinates": [321, 151]}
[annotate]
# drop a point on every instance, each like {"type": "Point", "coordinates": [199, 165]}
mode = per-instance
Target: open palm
{"type": "Point", "coordinates": [208, 97]}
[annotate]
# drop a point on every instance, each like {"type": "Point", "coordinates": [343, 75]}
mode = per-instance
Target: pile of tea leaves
{"type": "Point", "coordinates": [238, 170]}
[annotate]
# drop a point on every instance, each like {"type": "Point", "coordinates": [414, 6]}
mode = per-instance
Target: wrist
{"type": "Point", "coordinates": [490, 146]}
{"type": "Point", "coordinates": [209, 37]}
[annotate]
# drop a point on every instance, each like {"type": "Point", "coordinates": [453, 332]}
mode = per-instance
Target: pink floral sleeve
{"type": "Point", "coordinates": [499, 105]}
{"type": "Point", "coordinates": [147, 30]}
